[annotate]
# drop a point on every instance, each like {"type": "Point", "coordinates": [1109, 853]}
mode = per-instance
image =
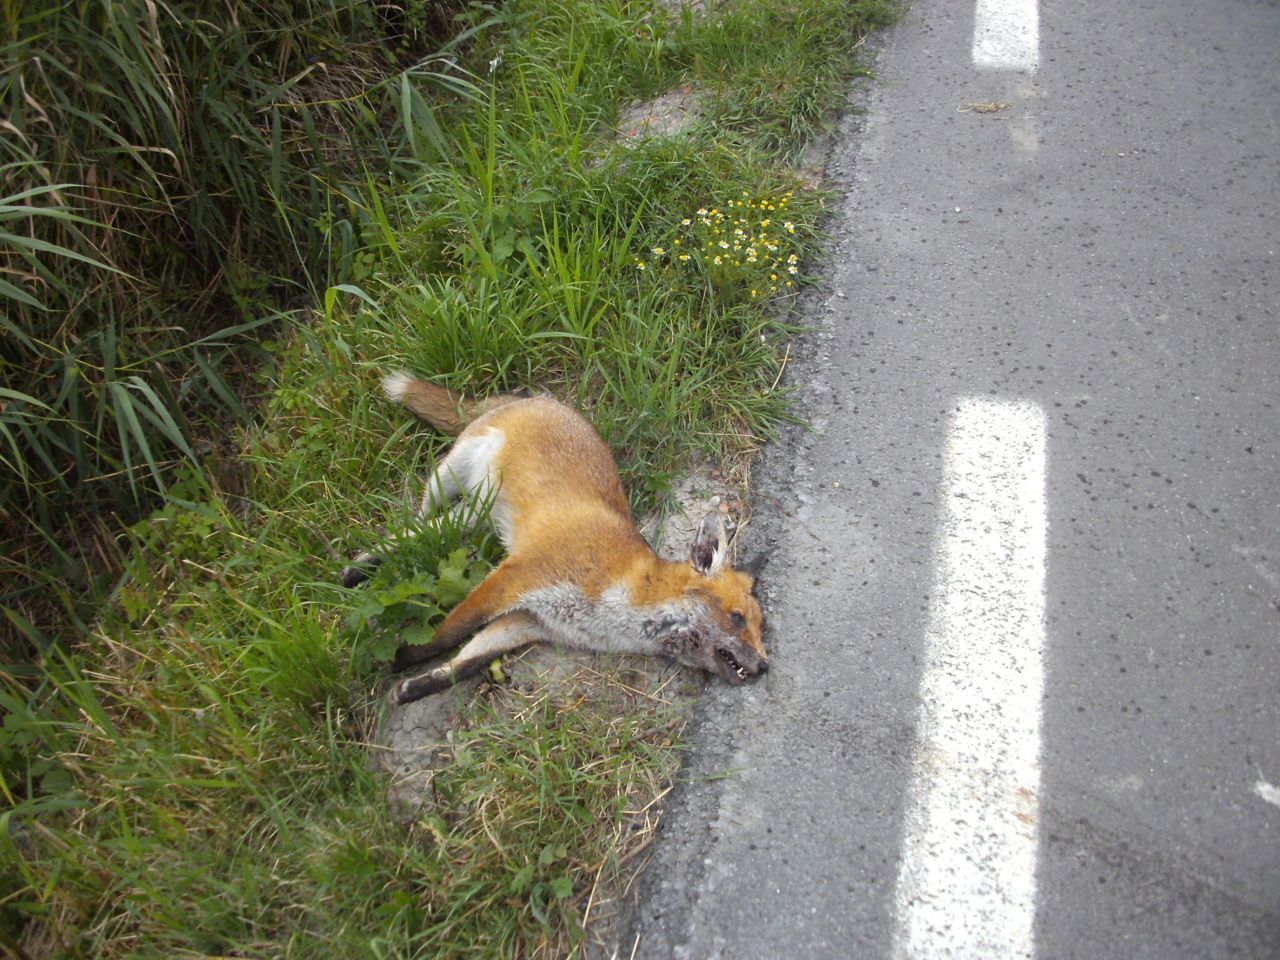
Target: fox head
{"type": "Point", "coordinates": [723, 634]}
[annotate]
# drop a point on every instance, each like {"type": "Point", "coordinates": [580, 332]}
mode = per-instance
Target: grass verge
{"type": "Point", "coordinates": [190, 778]}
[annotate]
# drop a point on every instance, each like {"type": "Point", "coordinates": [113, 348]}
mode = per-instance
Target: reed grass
{"type": "Point", "coordinates": [175, 180]}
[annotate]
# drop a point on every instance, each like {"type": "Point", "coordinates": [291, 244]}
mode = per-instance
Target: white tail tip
{"type": "Point", "coordinates": [396, 385]}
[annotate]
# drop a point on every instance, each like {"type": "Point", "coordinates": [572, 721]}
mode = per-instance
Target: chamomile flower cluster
{"type": "Point", "coordinates": [749, 240]}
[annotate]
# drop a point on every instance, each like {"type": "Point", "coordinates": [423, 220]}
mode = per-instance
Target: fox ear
{"type": "Point", "coordinates": [710, 547]}
{"type": "Point", "coordinates": [755, 565]}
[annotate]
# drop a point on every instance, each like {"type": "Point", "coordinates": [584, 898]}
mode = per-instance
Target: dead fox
{"type": "Point", "coordinates": [577, 570]}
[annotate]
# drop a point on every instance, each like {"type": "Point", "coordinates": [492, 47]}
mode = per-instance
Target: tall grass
{"type": "Point", "coordinates": [190, 777]}
{"type": "Point", "coordinates": [175, 179]}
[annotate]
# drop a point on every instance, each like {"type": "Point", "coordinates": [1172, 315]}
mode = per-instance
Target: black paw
{"type": "Point", "coordinates": [410, 655]}
{"type": "Point", "coordinates": [425, 684]}
{"type": "Point", "coordinates": [358, 573]}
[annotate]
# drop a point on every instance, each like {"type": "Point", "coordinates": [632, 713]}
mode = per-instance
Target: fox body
{"type": "Point", "coordinates": [577, 570]}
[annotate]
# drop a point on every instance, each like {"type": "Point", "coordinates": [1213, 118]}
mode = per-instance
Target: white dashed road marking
{"type": "Point", "coordinates": [966, 887]}
{"type": "Point", "coordinates": [1006, 35]}
{"type": "Point", "coordinates": [1267, 791]}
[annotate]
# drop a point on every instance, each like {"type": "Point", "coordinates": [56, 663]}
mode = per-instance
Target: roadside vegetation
{"type": "Point", "coordinates": [214, 236]}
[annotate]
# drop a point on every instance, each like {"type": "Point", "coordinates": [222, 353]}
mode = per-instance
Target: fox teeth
{"type": "Point", "coordinates": [742, 673]}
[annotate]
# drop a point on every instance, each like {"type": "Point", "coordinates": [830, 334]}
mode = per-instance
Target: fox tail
{"type": "Point", "coordinates": [445, 410]}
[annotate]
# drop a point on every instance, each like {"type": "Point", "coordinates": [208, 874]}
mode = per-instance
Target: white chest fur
{"type": "Point", "coordinates": [609, 623]}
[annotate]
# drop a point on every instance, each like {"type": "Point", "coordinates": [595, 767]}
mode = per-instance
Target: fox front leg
{"type": "Point", "coordinates": [497, 592]}
{"type": "Point", "coordinates": [509, 632]}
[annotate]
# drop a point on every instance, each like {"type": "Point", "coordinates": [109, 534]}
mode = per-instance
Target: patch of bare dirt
{"type": "Point", "coordinates": [667, 115]}
{"type": "Point", "coordinates": [698, 8]}
{"type": "Point", "coordinates": [812, 166]}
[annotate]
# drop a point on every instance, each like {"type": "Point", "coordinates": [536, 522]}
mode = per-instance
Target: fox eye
{"type": "Point", "coordinates": [738, 620]}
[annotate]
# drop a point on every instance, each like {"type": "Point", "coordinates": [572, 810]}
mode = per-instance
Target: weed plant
{"type": "Point", "coordinates": [749, 244]}
{"type": "Point", "coordinates": [190, 777]}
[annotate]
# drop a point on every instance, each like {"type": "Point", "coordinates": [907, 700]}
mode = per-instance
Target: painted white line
{"type": "Point", "coordinates": [966, 886]}
{"type": "Point", "coordinates": [1267, 791]}
{"type": "Point", "coordinates": [1006, 35]}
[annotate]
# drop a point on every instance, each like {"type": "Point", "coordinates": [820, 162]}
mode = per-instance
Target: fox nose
{"type": "Point", "coordinates": [762, 667]}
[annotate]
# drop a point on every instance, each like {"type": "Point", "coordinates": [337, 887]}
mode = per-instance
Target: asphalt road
{"type": "Point", "coordinates": [1097, 263]}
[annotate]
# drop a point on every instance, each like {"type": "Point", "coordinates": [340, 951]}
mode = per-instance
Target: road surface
{"type": "Point", "coordinates": [1024, 595]}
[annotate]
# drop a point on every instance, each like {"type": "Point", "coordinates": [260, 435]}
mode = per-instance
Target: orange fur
{"type": "Point", "coordinates": [577, 570]}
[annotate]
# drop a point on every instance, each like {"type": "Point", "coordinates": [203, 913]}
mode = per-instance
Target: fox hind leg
{"type": "Point", "coordinates": [464, 469]}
